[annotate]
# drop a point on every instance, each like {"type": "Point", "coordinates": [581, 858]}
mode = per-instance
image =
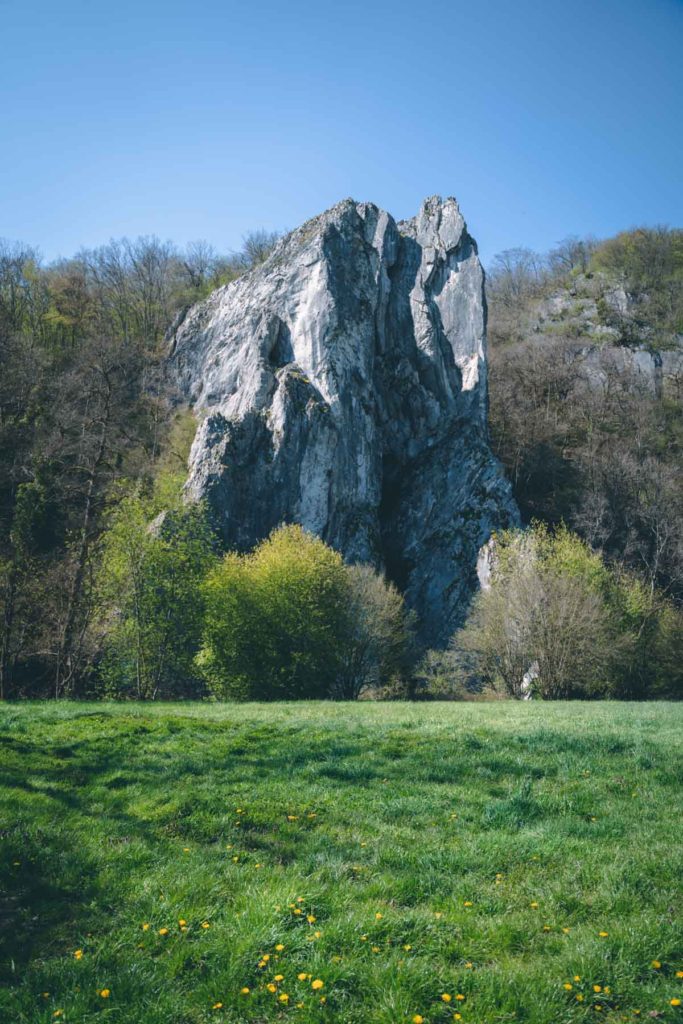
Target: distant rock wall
{"type": "Point", "coordinates": [343, 386]}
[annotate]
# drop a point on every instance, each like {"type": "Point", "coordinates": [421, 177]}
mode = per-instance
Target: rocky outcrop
{"type": "Point", "coordinates": [343, 386]}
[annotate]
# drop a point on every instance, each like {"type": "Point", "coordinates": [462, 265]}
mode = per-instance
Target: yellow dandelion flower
{"type": "Point", "coordinates": [467, 903]}
{"type": "Point", "coordinates": [163, 931]}
{"type": "Point", "coordinates": [457, 1016]}
{"type": "Point", "coordinates": [675, 1002]}
{"type": "Point", "coordinates": [375, 949]}
{"type": "Point", "coordinates": [597, 1007]}
{"type": "Point", "coordinates": [279, 977]}
{"type": "Point", "coordinates": [566, 931]}
{"type": "Point", "coordinates": [534, 905]}
{"type": "Point", "coordinates": [105, 993]}
{"type": "Point", "coordinates": [317, 985]}
{"type": "Point", "coordinates": [460, 997]}
{"type": "Point", "coordinates": [546, 928]}
{"type": "Point", "coordinates": [603, 935]}
{"type": "Point", "coordinates": [577, 977]}
{"type": "Point", "coordinates": [316, 935]}
{"type": "Point", "coordinates": [291, 817]}
{"type": "Point", "coordinates": [310, 918]}
{"type": "Point", "coordinates": [323, 999]}
{"type": "Point", "coordinates": [78, 954]}
{"type": "Point", "coordinates": [145, 927]}
{"type": "Point", "coordinates": [656, 964]}
{"type": "Point", "coordinates": [58, 1013]}
{"type": "Point", "coordinates": [297, 910]}
{"type": "Point", "coordinates": [597, 988]}
{"type": "Point", "coordinates": [302, 976]}
{"type": "Point", "coordinates": [265, 957]}
{"type": "Point", "coordinates": [418, 1019]}
{"type": "Point", "coordinates": [205, 924]}
{"type": "Point", "coordinates": [469, 965]}
{"type": "Point", "coordinates": [567, 986]}
{"type": "Point", "coordinates": [182, 922]}
{"type": "Point", "coordinates": [407, 948]}
{"type": "Point", "coordinates": [217, 1006]}
{"type": "Point", "coordinates": [244, 991]}
{"type": "Point", "coordinates": [283, 997]}
{"type": "Point", "coordinates": [279, 947]}
{"type": "Point", "coordinates": [363, 938]}
{"type": "Point", "coordinates": [378, 916]}
{"type": "Point", "coordinates": [186, 849]}
{"type": "Point", "coordinates": [446, 997]}
{"type": "Point", "coordinates": [579, 998]}
{"type": "Point", "coordinates": [271, 987]}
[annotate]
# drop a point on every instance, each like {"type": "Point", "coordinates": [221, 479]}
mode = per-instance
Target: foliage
{"type": "Point", "coordinates": [377, 642]}
{"type": "Point", "coordinates": [150, 597]}
{"type": "Point", "coordinates": [275, 618]}
{"type": "Point", "coordinates": [497, 842]}
{"type": "Point", "coordinates": [556, 613]}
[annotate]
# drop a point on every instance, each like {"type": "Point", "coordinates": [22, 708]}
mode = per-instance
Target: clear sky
{"type": "Point", "coordinates": [207, 119]}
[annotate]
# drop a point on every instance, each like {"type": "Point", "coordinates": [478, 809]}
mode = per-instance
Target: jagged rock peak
{"type": "Point", "coordinates": [343, 386]}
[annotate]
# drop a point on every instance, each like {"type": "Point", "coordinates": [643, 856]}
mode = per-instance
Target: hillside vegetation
{"type": "Point", "coordinates": [365, 864]}
{"type": "Point", "coordinates": [586, 377]}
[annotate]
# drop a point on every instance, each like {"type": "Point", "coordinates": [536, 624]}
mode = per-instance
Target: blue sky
{"type": "Point", "coordinates": [208, 119]}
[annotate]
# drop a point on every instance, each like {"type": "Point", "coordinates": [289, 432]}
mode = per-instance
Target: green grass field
{"type": "Point", "coordinates": [349, 863]}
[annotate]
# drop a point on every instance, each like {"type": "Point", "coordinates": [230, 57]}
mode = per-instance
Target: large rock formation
{"type": "Point", "coordinates": [343, 386]}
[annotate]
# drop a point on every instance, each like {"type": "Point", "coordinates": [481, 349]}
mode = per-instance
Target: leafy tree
{"type": "Point", "coordinates": [275, 620]}
{"type": "Point", "coordinates": [151, 599]}
{"type": "Point", "coordinates": [377, 644]}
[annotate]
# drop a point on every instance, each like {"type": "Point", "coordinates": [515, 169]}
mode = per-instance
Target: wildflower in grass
{"type": "Point", "coordinates": [460, 997]}
{"type": "Point", "coordinates": [438, 914]}
{"type": "Point", "coordinates": [244, 991]}
{"type": "Point", "coordinates": [279, 947]}
{"type": "Point", "coordinates": [457, 1016]}
{"type": "Point", "coordinates": [675, 1002]}
{"type": "Point", "coordinates": [311, 815]}
{"type": "Point", "coordinates": [217, 1006]}
{"type": "Point", "coordinates": [446, 996]}
{"type": "Point", "coordinates": [567, 986]}
{"type": "Point", "coordinates": [565, 931]}
{"type": "Point", "coordinates": [310, 918]}
{"type": "Point", "coordinates": [205, 924]}
{"type": "Point", "coordinates": [283, 997]}
{"type": "Point", "coordinates": [603, 935]}
{"type": "Point", "coordinates": [656, 964]}
{"type": "Point", "coordinates": [78, 954]}
{"type": "Point", "coordinates": [679, 974]}
{"type": "Point", "coordinates": [266, 957]}
{"type": "Point", "coordinates": [363, 938]}
{"type": "Point", "coordinates": [145, 927]}
{"type": "Point", "coordinates": [279, 977]}
{"type": "Point", "coordinates": [375, 949]}
{"type": "Point", "coordinates": [407, 947]}
{"type": "Point", "coordinates": [182, 922]}
{"type": "Point", "coordinates": [579, 998]}
{"type": "Point", "coordinates": [297, 911]}
{"type": "Point", "coordinates": [597, 1007]}
{"type": "Point", "coordinates": [597, 988]}
{"type": "Point", "coordinates": [291, 817]}
{"type": "Point", "coordinates": [46, 995]}
{"type": "Point", "coordinates": [546, 928]}
{"type": "Point", "coordinates": [302, 976]}
{"type": "Point", "coordinates": [186, 849]}
{"type": "Point", "coordinates": [300, 899]}
{"type": "Point", "coordinates": [271, 987]}
{"type": "Point", "coordinates": [317, 985]}
{"type": "Point", "coordinates": [58, 1013]}
{"type": "Point", "coordinates": [469, 965]}
{"type": "Point", "coordinates": [577, 977]}
{"type": "Point", "coordinates": [104, 993]}
{"type": "Point", "coordinates": [163, 931]}
{"type": "Point", "coordinates": [418, 1019]}
{"type": "Point", "coordinates": [378, 916]}
{"type": "Point", "coordinates": [534, 905]}
{"type": "Point", "coordinates": [467, 903]}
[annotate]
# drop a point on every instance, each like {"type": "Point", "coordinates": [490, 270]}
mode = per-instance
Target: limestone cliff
{"type": "Point", "coordinates": [342, 385]}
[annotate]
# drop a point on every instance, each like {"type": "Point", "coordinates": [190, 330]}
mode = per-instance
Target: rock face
{"type": "Point", "coordinates": [343, 387]}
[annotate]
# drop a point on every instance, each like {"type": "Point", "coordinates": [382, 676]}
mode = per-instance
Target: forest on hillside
{"type": "Point", "coordinates": [93, 447]}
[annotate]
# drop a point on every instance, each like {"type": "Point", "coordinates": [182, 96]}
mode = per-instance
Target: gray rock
{"type": "Point", "coordinates": [343, 386]}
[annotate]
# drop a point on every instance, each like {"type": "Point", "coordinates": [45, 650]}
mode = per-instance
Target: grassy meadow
{"type": "Point", "coordinates": [375, 863]}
